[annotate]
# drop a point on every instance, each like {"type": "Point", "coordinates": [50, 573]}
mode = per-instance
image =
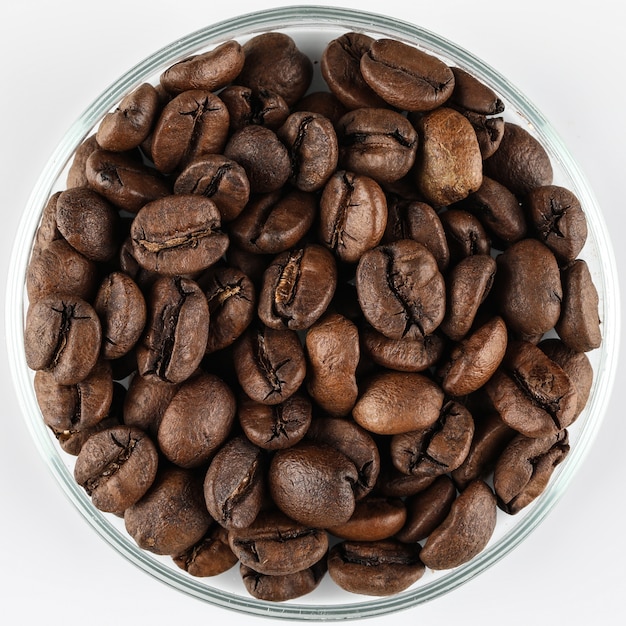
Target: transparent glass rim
{"type": "Point", "coordinates": [247, 25]}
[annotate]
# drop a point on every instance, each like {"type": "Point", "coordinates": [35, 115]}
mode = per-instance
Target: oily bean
{"type": "Point", "coordinates": [178, 235]}
{"type": "Point", "coordinates": [274, 222]}
{"type": "Point", "coordinates": [62, 335]}
{"type": "Point", "coordinates": [285, 587]}
{"type": "Point", "coordinates": [60, 268]}
{"type": "Point", "coordinates": [533, 394]}
{"type": "Point", "coordinates": [323, 103]}
{"type": "Point", "coordinates": [313, 484]}
{"type": "Point", "coordinates": [124, 181]}
{"type": "Point", "coordinates": [197, 421]}
{"type": "Point", "coordinates": [130, 123]}
{"type": "Point", "coordinates": [146, 401]}
{"type": "Point", "coordinates": [387, 403]}
{"type": "Point", "coordinates": [171, 517]}
{"type": "Point", "coordinates": [405, 77]}
{"type": "Point", "coordinates": [76, 176]}
{"type": "Point", "coordinates": [525, 467]}
{"type": "Point", "coordinates": [427, 509]}
{"type": "Point", "coordinates": [218, 178]}
{"type": "Point", "coordinates": [400, 289]}
{"type": "Point", "coordinates": [355, 443]}
{"type": "Point", "coordinates": [277, 426]}
{"type": "Point", "coordinates": [312, 144]}
{"type": "Point", "coordinates": [468, 284]}
{"type": "Point", "coordinates": [341, 69]}
{"type": "Point", "coordinates": [210, 70]}
{"type": "Point", "coordinates": [88, 223]}
{"type": "Point", "coordinates": [121, 307]}
{"type": "Point", "coordinates": [438, 449]}
{"type": "Point", "coordinates": [465, 531]}
{"type": "Point", "coordinates": [559, 220]}
{"type": "Point", "coordinates": [579, 323]}
{"type": "Point", "coordinates": [332, 347]}
{"type": "Point", "coordinates": [529, 289]}
{"type": "Point", "coordinates": [116, 467]}
{"type": "Point", "coordinates": [465, 234]}
{"type": "Point", "coordinates": [276, 545]}
{"type": "Point", "coordinates": [449, 163]}
{"type": "Point", "coordinates": [353, 215]}
{"type": "Point", "coordinates": [254, 106]}
{"type": "Point", "coordinates": [270, 364]}
{"type": "Point", "coordinates": [193, 123]}
{"type": "Point", "coordinates": [520, 163]}
{"type": "Point", "coordinates": [379, 143]}
{"type": "Point", "coordinates": [175, 337]}
{"type": "Point", "coordinates": [75, 407]}
{"type": "Point", "coordinates": [211, 556]}
{"type": "Point", "coordinates": [234, 485]}
{"type": "Point", "coordinates": [262, 155]}
{"type": "Point", "coordinates": [297, 288]}
{"type": "Point", "coordinates": [471, 94]}
{"type": "Point", "coordinates": [273, 61]}
{"type": "Point", "coordinates": [375, 568]}
{"type": "Point", "coordinates": [475, 359]}
{"type": "Point", "coordinates": [374, 518]}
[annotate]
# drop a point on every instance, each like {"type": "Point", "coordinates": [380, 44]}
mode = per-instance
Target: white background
{"type": "Point", "coordinates": [566, 56]}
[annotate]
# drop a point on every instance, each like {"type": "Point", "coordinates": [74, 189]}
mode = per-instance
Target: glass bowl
{"type": "Point", "coordinates": [312, 27]}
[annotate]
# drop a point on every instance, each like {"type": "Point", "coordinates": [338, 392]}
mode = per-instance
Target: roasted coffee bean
{"type": "Point", "coordinates": [297, 288]}
{"type": "Point", "coordinates": [313, 484]}
{"type": "Point", "coordinates": [449, 163]}
{"type": "Point", "coordinates": [474, 360]}
{"type": "Point", "coordinates": [234, 485]}
{"type": "Point", "coordinates": [471, 94]}
{"type": "Point", "coordinates": [528, 288]}
{"type": "Point", "coordinates": [379, 143]}
{"type": "Point", "coordinates": [465, 234]}
{"type": "Point", "coordinates": [332, 346]}
{"type": "Point", "coordinates": [129, 265]}
{"type": "Point", "coordinates": [323, 103]}
{"type": "Point", "coordinates": [174, 341]}
{"type": "Point", "coordinates": [520, 163]}
{"type": "Point", "coordinates": [47, 232]}
{"type": "Point", "coordinates": [285, 587]}
{"type": "Point", "coordinates": [130, 123]}
{"type": "Point", "coordinates": [274, 222]}
{"type": "Point", "coordinates": [533, 394]}
{"type": "Point", "coordinates": [146, 401]}
{"type": "Point", "coordinates": [171, 517]}
{"type": "Point", "coordinates": [276, 545]}
{"type": "Point", "coordinates": [210, 556]}
{"type": "Point", "coordinates": [62, 335]}
{"type": "Point", "coordinates": [121, 307]}
{"type": "Point", "coordinates": [88, 223]}
{"type": "Point", "coordinates": [400, 289]}
{"type": "Point", "coordinates": [418, 221]}
{"type": "Point", "coordinates": [375, 568]}
{"type": "Point", "coordinates": [579, 323]}
{"type": "Point", "coordinates": [405, 77]}
{"type": "Point", "coordinates": [313, 150]}
{"type": "Point", "coordinates": [197, 421]}
{"type": "Point", "coordinates": [218, 178]}
{"type": "Point", "coordinates": [178, 235]}
{"type": "Point", "coordinates": [193, 123]}
{"type": "Point", "coordinates": [355, 443]}
{"type": "Point", "coordinates": [76, 176]}
{"type": "Point", "coordinates": [259, 106]}
{"type": "Point", "coordinates": [270, 364]}
{"type": "Point", "coordinates": [273, 61]}
{"type": "Point", "coordinates": [341, 69]}
{"type": "Point", "coordinates": [525, 467]}
{"type": "Point", "coordinates": [123, 180]}
{"type": "Point", "coordinates": [387, 403]}
{"type": "Point", "coordinates": [116, 467]}
{"type": "Point", "coordinates": [277, 426]}
{"type": "Point", "coordinates": [262, 155]}
{"type": "Point", "coordinates": [374, 518]}
{"type": "Point", "coordinates": [210, 70]}
{"type": "Point", "coordinates": [427, 509]}
{"type": "Point", "coordinates": [489, 132]}
{"type": "Point", "coordinates": [438, 449]}
{"type": "Point", "coordinates": [396, 484]}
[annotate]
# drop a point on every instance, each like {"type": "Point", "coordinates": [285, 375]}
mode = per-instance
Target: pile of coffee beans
{"type": "Point", "coordinates": [311, 332]}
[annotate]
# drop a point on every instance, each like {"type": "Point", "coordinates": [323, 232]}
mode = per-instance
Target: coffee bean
{"type": "Point", "coordinates": [210, 556]}
{"type": "Point", "coordinates": [254, 106]}
{"type": "Point", "coordinates": [471, 94]}
{"type": "Point", "coordinates": [374, 518]}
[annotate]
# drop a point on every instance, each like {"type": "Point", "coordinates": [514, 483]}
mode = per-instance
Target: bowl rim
{"type": "Point", "coordinates": [249, 24]}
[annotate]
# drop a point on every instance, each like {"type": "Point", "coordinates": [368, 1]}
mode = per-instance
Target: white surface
{"type": "Point", "coordinates": [566, 56]}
